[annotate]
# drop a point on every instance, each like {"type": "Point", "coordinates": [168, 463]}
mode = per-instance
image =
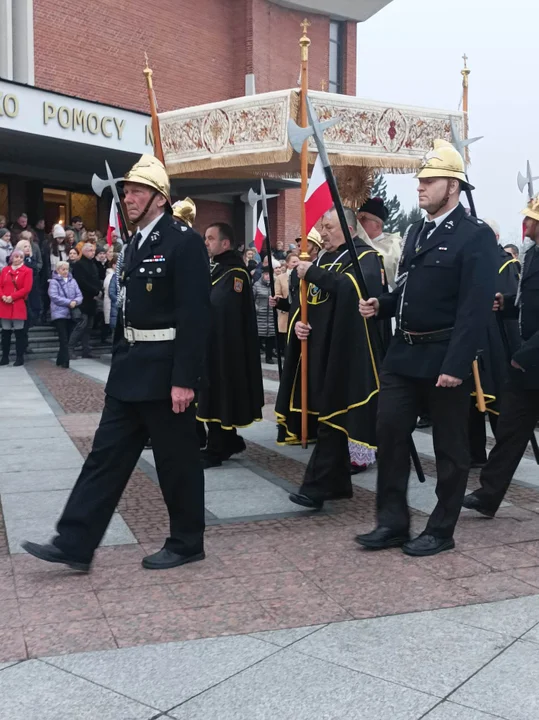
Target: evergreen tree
{"type": "Point", "coordinates": [406, 219]}
{"type": "Point", "coordinates": [393, 205]}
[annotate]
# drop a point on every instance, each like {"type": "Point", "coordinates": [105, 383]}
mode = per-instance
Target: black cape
{"type": "Point", "coordinates": [234, 394]}
{"type": "Point", "coordinates": [343, 379]}
{"type": "Point", "coordinates": [503, 337]}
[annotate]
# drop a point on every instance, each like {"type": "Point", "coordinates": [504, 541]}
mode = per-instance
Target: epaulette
{"type": "Point", "coordinates": [475, 221]}
{"type": "Point", "coordinates": [180, 226]}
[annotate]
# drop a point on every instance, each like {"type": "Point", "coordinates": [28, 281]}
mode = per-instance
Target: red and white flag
{"type": "Point", "coordinates": [260, 233]}
{"type": "Point", "coordinates": [114, 223]}
{"type": "Point", "coordinates": [318, 198]}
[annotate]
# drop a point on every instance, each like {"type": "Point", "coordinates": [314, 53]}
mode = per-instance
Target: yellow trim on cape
{"type": "Point", "coordinates": [281, 419]}
{"type": "Point", "coordinates": [514, 260]}
{"type": "Point", "coordinates": [228, 427]}
{"type": "Point", "coordinates": [235, 269]}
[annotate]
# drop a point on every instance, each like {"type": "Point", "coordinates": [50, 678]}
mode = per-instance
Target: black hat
{"type": "Point", "coordinates": [375, 206]}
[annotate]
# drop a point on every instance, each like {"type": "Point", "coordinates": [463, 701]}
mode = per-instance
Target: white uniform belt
{"type": "Point", "coordinates": [133, 335]}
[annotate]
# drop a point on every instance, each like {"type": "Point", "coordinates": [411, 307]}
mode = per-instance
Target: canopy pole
{"type": "Point", "coordinates": [304, 254]}
{"type": "Point", "coordinates": [156, 131]}
{"type": "Point", "coordinates": [465, 72]}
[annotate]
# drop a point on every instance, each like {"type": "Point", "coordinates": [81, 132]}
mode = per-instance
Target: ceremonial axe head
{"type": "Point", "coordinates": [298, 135]}
{"type": "Point", "coordinates": [99, 185]}
{"type": "Point", "coordinates": [254, 197]}
{"type": "Point", "coordinates": [527, 181]}
{"type": "Point", "coordinates": [459, 143]}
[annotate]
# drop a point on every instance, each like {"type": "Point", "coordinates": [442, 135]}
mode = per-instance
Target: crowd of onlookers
{"type": "Point", "coordinates": [258, 267]}
{"type": "Point", "coordinates": [66, 276]}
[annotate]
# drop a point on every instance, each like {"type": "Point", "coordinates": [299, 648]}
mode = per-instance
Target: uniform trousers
{"type": "Point", "coordinates": [119, 440]}
{"type": "Point", "coordinates": [328, 470]}
{"type": "Point", "coordinates": [399, 402]}
{"type": "Point", "coordinates": [478, 433]}
{"type": "Point", "coordinates": [519, 413]}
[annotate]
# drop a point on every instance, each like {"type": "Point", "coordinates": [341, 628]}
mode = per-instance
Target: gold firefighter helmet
{"type": "Point", "coordinates": [444, 161]}
{"type": "Point", "coordinates": [315, 237]}
{"type": "Point", "coordinates": [532, 211]}
{"type": "Point", "coordinates": [185, 210]}
{"type": "Point", "coordinates": [151, 172]}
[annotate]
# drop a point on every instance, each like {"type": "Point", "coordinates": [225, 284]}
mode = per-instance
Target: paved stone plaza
{"type": "Point", "coordinates": [286, 617]}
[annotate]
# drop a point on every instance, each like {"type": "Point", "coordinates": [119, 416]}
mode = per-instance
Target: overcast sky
{"type": "Point", "coordinates": [411, 53]}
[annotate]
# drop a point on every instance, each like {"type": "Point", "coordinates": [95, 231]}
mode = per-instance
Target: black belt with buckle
{"type": "Point", "coordinates": [412, 338]}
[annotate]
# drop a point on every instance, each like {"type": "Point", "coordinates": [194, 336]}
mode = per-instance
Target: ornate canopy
{"type": "Point", "coordinates": [248, 136]}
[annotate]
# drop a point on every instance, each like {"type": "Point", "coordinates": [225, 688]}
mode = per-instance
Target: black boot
{"type": "Point", "coordinates": [6, 342]}
{"type": "Point", "coordinates": [20, 342]}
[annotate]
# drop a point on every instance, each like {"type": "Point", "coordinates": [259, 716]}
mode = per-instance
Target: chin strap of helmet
{"type": "Point", "coordinates": [444, 201]}
{"type": "Point", "coordinates": [146, 209]}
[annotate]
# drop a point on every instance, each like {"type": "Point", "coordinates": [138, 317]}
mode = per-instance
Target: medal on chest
{"type": "Point", "coordinates": [149, 286]}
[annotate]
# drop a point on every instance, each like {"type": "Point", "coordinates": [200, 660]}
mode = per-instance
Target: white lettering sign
{"type": "Point", "coordinates": [30, 110]}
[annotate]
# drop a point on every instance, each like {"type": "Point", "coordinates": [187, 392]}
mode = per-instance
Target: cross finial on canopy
{"type": "Point", "coordinates": [465, 58]}
{"type": "Point", "coordinates": [305, 25]}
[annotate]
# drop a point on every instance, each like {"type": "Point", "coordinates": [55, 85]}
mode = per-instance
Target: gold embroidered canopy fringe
{"type": "Point", "coordinates": [247, 137]}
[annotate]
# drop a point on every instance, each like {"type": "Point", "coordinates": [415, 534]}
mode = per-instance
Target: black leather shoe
{"type": "Point", "coordinates": [166, 559]}
{"type": "Point", "coordinates": [305, 501]}
{"type": "Point", "coordinates": [318, 503]}
{"type": "Point", "coordinates": [238, 447]}
{"type": "Point", "coordinates": [427, 545]}
{"type": "Point", "coordinates": [472, 502]}
{"type": "Point", "coordinates": [478, 464]}
{"type": "Point", "coordinates": [423, 422]}
{"type": "Point", "coordinates": [382, 538]}
{"type": "Point", "coordinates": [210, 461]}
{"type": "Point", "coordinates": [52, 554]}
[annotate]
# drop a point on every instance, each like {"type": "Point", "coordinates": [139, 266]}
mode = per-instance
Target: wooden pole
{"type": "Point", "coordinates": [304, 254]}
{"type": "Point", "coordinates": [156, 131]}
{"type": "Point", "coordinates": [465, 72]}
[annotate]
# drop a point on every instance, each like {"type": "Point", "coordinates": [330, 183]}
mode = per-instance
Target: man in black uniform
{"type": "Point", "coordinates": [520, 400]}
{"type": "Point", "coordinates": [502, 341]}
{"type": "Point", "coordinates": [343, 381]}
{"type": "Point", "coordinates": [234, 396]}
{"type": "Point", "coordinates": [443, 303]}
{"type": "Point", "coordinates": [159, 350]}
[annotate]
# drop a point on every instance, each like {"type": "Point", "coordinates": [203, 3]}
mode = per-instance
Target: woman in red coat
{"type": "Point", "coordinates": [15, 285]}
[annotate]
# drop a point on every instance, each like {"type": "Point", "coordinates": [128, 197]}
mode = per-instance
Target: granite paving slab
{"type": "Point", "coordinates": [405, 648]}
{"type": "Point", "coordinates": [290, 686]}
{"type": "Point", "coordinates": [509, 617]}
{"type": "Point", "coordinates": [451, 711]}
{"type": "Point", "coordinates": [508, 687]}
{"type": "Point", "coordinates": [36, 691]}
{"type": "Point", "coordinates": [33, 516]}
{"type": "Point", "coordinates": [164, 676]}
{"type": "Point", "coordinates": [285, 638]}
{"type": "Point", "coordinates": [38, 480]}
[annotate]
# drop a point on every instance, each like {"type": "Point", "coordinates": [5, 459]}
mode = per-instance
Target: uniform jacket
{"type": "Point", "coordinates": [503, 337]}
{"type": "Point", "coordinates": [449, 282]}
{"type": "Point", "coordinates": [166, 284]}
{"type": "Point", "coordinates": [16, 284]}
{"type": "Point", "coordinates": [234, 394]}
{"type": "Point", "coordinates": [63, 293]}
{"type": "Point", "coordinates": [527, 309]}
{"type": "Point", "coordinates": [87, 277]}
{"type": "Point", "coordinates": [264, 313]}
